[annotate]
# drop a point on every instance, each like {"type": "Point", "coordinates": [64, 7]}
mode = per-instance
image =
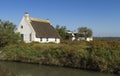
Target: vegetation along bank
{"type": "Point", "coordinates": [103, 56]}
{"type": "Point", "coordinates": [98, 55]}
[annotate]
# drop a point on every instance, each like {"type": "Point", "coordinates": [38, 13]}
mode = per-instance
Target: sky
{"type": "Point", "coordinates": [102, 16]}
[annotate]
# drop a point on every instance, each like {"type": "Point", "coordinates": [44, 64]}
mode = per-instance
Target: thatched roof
{"type": "Point", "coordinates": [43, 29]}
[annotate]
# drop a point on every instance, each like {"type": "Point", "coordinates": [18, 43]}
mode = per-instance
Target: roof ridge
{"type": "Point", "coordinates": [39, 20]}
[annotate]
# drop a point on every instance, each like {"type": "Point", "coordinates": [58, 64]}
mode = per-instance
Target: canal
{"type": "Point", "coordinates": [24, 69]}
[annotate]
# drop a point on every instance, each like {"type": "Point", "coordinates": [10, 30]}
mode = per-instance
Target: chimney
{"type": "Point", "coordinates": [27, 17]}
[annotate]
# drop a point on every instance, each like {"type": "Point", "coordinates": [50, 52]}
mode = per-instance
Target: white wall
{"type": "Point", "coordinates": [26, 30]}
{"type": "Point", "coordinates": [90, 39]}
{"type": "Point", "coordinates": [73, 38]}
{"type": "Point", "coordinates": [44, 40]}
{"type": "Point", "coordinates": [83, 38]}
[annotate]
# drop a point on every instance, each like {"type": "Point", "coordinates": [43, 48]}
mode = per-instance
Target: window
{"type": "Point", "coordinates": [41, 39]}
{"type": "Point", "coordinates": [46, 39]}
{"type": "Point", "coordinates": [22, 37]}
{"type": "Point", "coordinates": [55, 39]}
{"type": "Point", "coordinates": [21, 27]}
{"type": "Point", "coordinates": [30, 37]}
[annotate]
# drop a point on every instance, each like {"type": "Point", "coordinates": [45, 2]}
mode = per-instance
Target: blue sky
{"type": "Point", "coordinates": [102, 16]}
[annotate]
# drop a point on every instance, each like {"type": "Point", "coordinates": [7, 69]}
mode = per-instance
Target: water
{"type": "Point", "coordinates": [24, 69]}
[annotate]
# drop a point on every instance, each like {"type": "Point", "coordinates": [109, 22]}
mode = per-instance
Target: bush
{"type": "Point", "coordinates": [101, 56]}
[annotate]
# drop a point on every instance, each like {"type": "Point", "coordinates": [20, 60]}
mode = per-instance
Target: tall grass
{"type": "Point", "coordinates": [101, 56]}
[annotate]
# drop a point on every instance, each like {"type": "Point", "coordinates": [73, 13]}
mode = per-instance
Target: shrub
{"type": "Point", "coordinates": [96, 55]}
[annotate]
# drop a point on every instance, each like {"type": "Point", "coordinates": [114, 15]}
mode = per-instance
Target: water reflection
{"type": "Point", "coordinates": [4, 72]}
{"type": "Point", "coordinates": [23, 69]}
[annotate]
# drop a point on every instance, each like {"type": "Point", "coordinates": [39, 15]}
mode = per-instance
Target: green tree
{"type": "Point", "coordinates": [84, 32]}
{"type": "Point", "coordinates": [62, 32]}
{"type": "Point", "coordinates": [7, 35]}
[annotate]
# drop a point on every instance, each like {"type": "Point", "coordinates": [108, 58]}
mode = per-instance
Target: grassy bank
{"type": "Point", "coordinates": [103, 56]}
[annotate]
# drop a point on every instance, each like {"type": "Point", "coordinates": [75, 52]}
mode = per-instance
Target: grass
{"type": "Point", "coordinates": [103, 56]}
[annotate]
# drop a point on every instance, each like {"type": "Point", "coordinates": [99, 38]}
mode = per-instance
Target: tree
{"type": "Point", "coordinates": [85, 32]}
{"type": "Point", "coordinates": [7, 35]}
{"type": "Point", "coordinates": [62, 31]}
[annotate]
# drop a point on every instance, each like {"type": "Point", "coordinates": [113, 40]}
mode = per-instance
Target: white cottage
{"type": "Point", "coordinates": [33, 29]}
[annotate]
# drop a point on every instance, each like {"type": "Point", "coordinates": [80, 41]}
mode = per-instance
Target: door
{"type": "Point", "coordinates": [22, 37]}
